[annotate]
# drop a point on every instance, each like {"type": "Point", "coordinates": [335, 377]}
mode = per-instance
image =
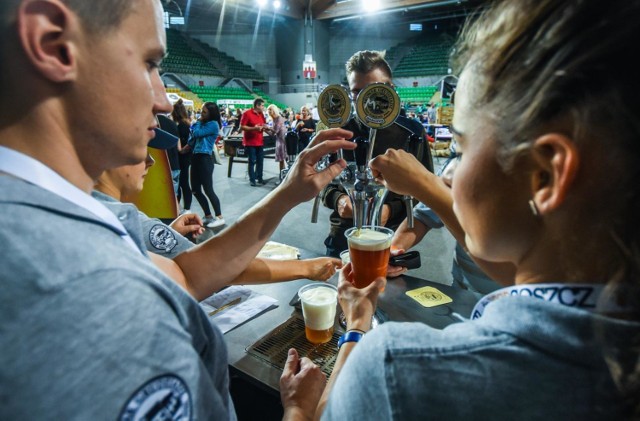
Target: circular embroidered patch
{"type": "Point", "coordinates": [162, 398]}
{"type": "Point", "coordinates": [162, 238]}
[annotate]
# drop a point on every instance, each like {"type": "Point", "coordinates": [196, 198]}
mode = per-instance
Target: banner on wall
{"type": "Point", "coordinates": [308, 67]}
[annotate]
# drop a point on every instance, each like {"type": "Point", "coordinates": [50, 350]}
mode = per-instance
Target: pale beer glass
{"type": "Point", "coordinates": [369, 249]}
{"type": "Point", "coordinates": [319, 302]}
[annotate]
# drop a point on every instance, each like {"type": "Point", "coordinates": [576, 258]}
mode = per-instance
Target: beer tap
{"type": "Point", "coordinates": [334, 110]}
{"type": "Point", "coordinates": [377, 107]}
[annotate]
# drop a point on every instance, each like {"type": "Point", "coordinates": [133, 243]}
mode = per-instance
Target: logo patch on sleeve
{"type": "Point", "coordinates": [162, 398]}
{"type": "Point", "coordinates": [162, 238]}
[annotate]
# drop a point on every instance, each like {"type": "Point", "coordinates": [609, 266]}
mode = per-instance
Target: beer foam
{"type": "Point", "coordinates": [370, 240]}
{"type": "Point", "coordinates": [319, 307]}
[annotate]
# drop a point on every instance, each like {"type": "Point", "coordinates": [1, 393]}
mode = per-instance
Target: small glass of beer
{"type": "Point", "coordinates": [319, 302]}
{"type": "Point", "coordinates": [344, 256]}
{"type": "Point", "coordinates": [369, 248]}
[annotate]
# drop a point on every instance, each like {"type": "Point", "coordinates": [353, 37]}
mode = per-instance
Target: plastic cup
{"type": "Point", "coordinates": [319, 302]}
{"type": "Point", "coordinates": [369, 249]}
{"type": "Point", "coordinates": [344, 256]}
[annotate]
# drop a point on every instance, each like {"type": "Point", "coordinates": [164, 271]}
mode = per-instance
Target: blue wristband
{"type": "Point", "coordinates": [350, 336]}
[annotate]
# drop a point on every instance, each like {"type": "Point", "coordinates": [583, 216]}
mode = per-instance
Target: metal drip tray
{"type": "Point", "coordinates": [274, 346]}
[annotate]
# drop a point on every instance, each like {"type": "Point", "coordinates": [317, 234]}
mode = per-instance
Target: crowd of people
{"type": "Point", "coordinates": [99, 317]}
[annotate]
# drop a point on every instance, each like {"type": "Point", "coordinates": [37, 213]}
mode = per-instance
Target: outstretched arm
{"type": "Point", "coordinates": [358, 306]}
{"type": "Point", "coordinates": [262, 271]}
{"type": "Point", "coordinates": [239, 244]}
{"type": "Point", "coordinates": [402, 173]}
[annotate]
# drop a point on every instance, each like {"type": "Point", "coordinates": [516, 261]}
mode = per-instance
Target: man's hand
{"type": "Point", "coordinates": [400, 171]}
{"type": "Point", "coordinates": [344, 208]}
{"type": "Point", "coordinates": [395, 271]}
{"type": "Point", "coordinates": [301, 385]}
{"type": "Point", "coordinates": [303, 182]}
{"type": "Point", "coordinates": [189, 223]}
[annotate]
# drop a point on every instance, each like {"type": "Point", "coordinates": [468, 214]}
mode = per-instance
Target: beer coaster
{"type": "Point", "coordinates": [429, 296]}
{"type": "Point", "coordinates": [334, 106]}
{"type": "Point", "coordinates": [378, 105]}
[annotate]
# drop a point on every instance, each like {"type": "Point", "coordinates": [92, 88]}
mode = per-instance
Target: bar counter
{"type": "Point", "coordinates": [394, 304]}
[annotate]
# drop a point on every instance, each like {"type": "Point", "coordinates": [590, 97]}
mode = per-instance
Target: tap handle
{"type": "Point", "coordinates": [408, 205]}
{"type": "Point", "coordinates": [314, 210]}
{"type": "Point", "coordinates": [361, 151]}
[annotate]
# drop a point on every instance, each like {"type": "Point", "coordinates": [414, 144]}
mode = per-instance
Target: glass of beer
{"type": "Point", "coordinates": [344, 256]}
{"type": "Point", "coordinates": [319, 302]}
{"type": "Point", "coordinates": [369, 248]}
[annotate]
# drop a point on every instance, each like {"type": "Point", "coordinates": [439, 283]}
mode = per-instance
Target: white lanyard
{"type": "Point", "coordinates": [583, 296]}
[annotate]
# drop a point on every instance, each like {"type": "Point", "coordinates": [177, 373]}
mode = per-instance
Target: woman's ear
{"type": "Point", "coordinates": [46, 29]}
{"type": "Point", "coordinates": [555, 165]}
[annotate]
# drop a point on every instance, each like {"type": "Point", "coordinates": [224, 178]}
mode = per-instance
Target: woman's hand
{"type": "Point", "coordinates": [400, 171]}
{"type": "Point", "coordinates": [357, 304]}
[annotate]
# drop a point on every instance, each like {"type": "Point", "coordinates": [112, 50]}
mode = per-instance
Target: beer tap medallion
{"type": "Point", "coordinates": [334, 106]}
{"type": "Point", "coordinates": [378, 105]}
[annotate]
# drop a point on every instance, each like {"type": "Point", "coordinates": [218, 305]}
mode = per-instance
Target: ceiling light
{"type": "Point", "coordinates": [277, 4]}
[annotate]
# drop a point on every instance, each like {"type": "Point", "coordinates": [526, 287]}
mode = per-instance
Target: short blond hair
{"type": "Point", "coordinates": [274, 108]}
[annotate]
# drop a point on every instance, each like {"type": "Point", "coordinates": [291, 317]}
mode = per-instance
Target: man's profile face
{"type": "Point", "coordinates": [358, 81]}
{"type": "Point", "coordinates": [119, 87]}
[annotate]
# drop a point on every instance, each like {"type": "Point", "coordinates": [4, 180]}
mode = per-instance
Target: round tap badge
{"type": "Point", "coordinates": [378, 105]}
{"type": "Point", "coordinates": [334, 106]}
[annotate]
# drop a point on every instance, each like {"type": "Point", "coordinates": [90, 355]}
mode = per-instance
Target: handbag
{"type": "Point", "coordinates": [216, 156]}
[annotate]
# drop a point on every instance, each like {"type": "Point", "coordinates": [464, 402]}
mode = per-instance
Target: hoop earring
{"type": "Point", "coordinates": [534, 208]}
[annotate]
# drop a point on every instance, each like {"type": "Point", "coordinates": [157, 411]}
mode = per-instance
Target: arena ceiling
{"type": "Point", "coordinates": [335, 10]}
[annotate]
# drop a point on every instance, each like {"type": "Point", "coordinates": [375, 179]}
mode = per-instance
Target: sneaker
{"type": "Point", "coordinates": [183, 211]}
{"type": "Point", "coordinates": [217, 222]}
{"type": "Point", "coordinates": [253, 183]}
{"type": "Point", "coordinates": [262, 182]}
{"type": "Point", "coordinates": [206, 221]}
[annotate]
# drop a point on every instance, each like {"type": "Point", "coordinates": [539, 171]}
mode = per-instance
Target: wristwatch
{"type": "Point", "coordinates": [350, 336]}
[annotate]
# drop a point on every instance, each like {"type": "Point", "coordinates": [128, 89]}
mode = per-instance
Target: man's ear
{"type": "Point", "coordinates": [556, 161]}
{"type": "Point", "coordinates": [47, 29]}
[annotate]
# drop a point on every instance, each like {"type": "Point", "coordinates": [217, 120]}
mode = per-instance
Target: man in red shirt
{"type": "Point", "coordinates": [252, 125]}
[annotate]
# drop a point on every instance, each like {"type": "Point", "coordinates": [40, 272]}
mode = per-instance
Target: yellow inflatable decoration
{"type": "Point", "coordinates": [157, 199]}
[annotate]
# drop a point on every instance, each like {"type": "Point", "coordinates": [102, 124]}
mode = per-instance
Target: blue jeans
{"type": "Point", "coordinates": [175, 177]}
{"type": "Point", "coordinates": [256, 159]}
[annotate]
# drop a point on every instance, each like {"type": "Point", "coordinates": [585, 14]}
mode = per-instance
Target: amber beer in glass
{"type": "Point", "coordinates": [369, 248]}
{"type": "Point", "coordinates": [319, 302]}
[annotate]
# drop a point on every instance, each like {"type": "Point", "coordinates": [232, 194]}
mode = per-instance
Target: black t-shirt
{"type": "Point", "coordinates": [171, 127]}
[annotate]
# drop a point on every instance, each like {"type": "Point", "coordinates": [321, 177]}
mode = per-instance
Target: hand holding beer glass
{"type": "Point", "coordinates": [369, 249]}
{"type": "Point", "coordinates": [319, 302]}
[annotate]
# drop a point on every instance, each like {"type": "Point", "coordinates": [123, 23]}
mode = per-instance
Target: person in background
{"type": "Point", "coordinates": [91, 329]}
{"type": "Point", "coordinates": [236, 123]}
{"type": "Point", "coordinates": [431, 114]}
{"type": "Point", "coordinates": [253, 125]}
{"type": "Point", "coordinates": [305, 127]}
{"type": "Point", "coordinates": [278, 130]}
{"type": "Point", "coordinates": [114, 188]}
{"type": "Point", "coordinates": [535, 99]}
{"type": "Point", "coordinates": [204, 134]}
{"type": "Point", "coordinates": [173, 153]}
{"type": "Point", "coordinates": [181, 118]}
{"type": "Point", "coordinates": [363, 68]}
